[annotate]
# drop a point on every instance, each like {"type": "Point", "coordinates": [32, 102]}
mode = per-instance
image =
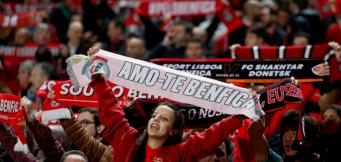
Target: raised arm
{"type": "Point", "coordinates": [110, 113]}
{"type": "Point", "coordinates": [8, 139]}
{"type": "Point", "coordinates": [46, 141]}
{"type": "Point", "coordinates": [207, 142]}
{"type": "Point", "coordinates": [93, 149]}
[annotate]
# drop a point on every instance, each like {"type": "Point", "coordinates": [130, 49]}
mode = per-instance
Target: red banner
{"type": "Point", "coordinates": [12, 56]}
{"type": "Point", "coordinates": [68, 94]}
{"type": "Point", "coordinates": [20, 20]}
{"type": "Point", "coordinates": [179, 7]}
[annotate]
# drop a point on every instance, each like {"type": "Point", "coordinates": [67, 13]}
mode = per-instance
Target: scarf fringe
{"type": "Point", "coordinates": [20, 147]}
{"type": "Point", "coordinates": [72, 61]}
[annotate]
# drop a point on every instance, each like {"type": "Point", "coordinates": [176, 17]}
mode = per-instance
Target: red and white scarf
{"type": "Point", "coordinates": [13, 114]}
{"type": "Point", "coordinates": [155, 79]}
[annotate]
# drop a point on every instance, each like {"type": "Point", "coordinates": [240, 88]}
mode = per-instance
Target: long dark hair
{"type": "Point", "coordinates": [176, 138]}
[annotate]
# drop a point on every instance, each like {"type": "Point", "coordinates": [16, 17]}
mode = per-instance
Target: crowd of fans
{"type": "Point", "coordinates": [75, 26]}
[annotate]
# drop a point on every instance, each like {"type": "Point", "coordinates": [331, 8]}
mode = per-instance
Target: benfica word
{"type": "Point", "coordinates": [9, 106]}
{"type": "Point", "coordinates": [155, 79]}
{"type": "Point", "coordinates": [247, 71]}
{"type": "Point", "coordinates": [179, 7]}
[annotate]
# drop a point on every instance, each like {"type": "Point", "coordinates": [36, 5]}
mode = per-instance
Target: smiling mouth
{"type": "Point", "coordinates": [154, 126]}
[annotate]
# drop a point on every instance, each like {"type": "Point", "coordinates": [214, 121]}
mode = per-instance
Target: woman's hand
{"type": "Point", "coordinates": [92, 50]}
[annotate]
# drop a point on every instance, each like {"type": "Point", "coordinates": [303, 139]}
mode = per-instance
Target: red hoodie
{"type": "Point", "coordinates": [122, 136]}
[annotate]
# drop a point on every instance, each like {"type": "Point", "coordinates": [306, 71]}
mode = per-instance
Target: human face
{"type": "Point", "coordinates": [252, 39]}
{"type": "Point", "coordinates": [161, 124]}
{"type": "Point", "coordinates": [179, 34]}
{"type": "Point", "coordinates": [23, 77]}
{"type": "Point", "coordinates": [74, 158]}
{"type": "Point", "coordinates": [194, 50]}
{"type": "Point", "coordinates": [300, 41]}
{"type": "Point", "coordinates": [21, 37]}
{"type": "Point", "coordinates": [288, 140]}
{"type": "Point", "coordinates": [75, 32]}
{"type": "Point", "coordinates": [114, 33]}
{"type": "Point", "coordinates": [88, 118]}
{"type": "Point", "coordinates": [36, 77]}
{"type": "Point", "coordinates": [42, 36]}
{"type": "Point", "coordinates": [331, 121]}
{"type": "Point", "coordinates": [266, 16]}
{"type": "Point", "coordinates": [135, 48]}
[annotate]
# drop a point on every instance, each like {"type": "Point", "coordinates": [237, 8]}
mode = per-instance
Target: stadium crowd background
{"type": "Point", "coordinates": [59, 29]}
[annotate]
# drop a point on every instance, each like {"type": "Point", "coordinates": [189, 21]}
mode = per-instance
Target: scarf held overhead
{"type": "Point", "coordinates": [13, 114]}
{"type": "Point", "coordinates": [179, 7]}
{"type": "Point", "coordinates": [155, 79]}
{"type": "Point", "coordinates": [272, 98]}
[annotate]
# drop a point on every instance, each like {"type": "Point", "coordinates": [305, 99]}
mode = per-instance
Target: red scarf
{"type": "Point", "coordinates": [20, 20]}
{"type": "Point", "coordinates": [179, 7]}
{"type": "Point", "coordinates": [13, 114]}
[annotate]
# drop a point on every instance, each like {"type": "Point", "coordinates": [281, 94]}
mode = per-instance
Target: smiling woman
{"type": "Point", "coordinates": [163, 138]}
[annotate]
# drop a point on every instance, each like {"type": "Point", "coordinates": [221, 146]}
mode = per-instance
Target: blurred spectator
{"type": "Point", "coordinates": [307, 20]}
{"type": "Point", "coordinates": [24, 73]}
{"type": "Point", "coordinates": [21, 37]}
{"type": "Point", "coordinates": [73, 156]}
{"type": "Point", "coordinates": [333, 31]}
{"type": "Point", "coordinates": [41, 35]}
{"type": "Point", "coordinates": [275, 34]}
{"type": "Point", "coordinates": [135, 48]}
{"type": "Point", "coordinates": [195, 49]}
{"type": "Point", "coordinates": [60, 17]}
{"type": "Point", "coordinates": [174, 43]}
{"type": "Point", "coordinates": [58, 131]}
{"type": "Point", "coordinates": [289, 127]}
{"type": "Point", "coordinates": [74, 34]}
{"type": "Point", "coordinates": [43, 54]}
{"type": "Point", "coordinates": [199, 34]}
{"type": "Point", "coordinates": [283, 18]}
{"type": "Point", "coordinates": [301, 39]}
{"type": "Point", "coordinates": [41, 72]}
{"type": "Point", "coordinates": [331, 141]}
{"type": "Point", "coordinates": [255, 36]}
{"type": "Point", "coordinates": [115, 35]}
{"type": "Point", "coordinates": [96, 16]}
{"type": "Point", "coordinates": [251, 15]}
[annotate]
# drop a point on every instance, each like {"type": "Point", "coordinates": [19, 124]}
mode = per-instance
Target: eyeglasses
{"type": "Point", "coordinates": [86, 122]}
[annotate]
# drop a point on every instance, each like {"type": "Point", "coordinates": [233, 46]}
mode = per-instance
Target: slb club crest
{"type": "Point", "coordinates": [95, 65]}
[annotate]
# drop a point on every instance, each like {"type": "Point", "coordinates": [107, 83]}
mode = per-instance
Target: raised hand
{"type": "Point", "coordinates": [27, 104]}
{"type": "Point", "coordinates": [92, 51]}
{"type": "Point", "coordinates": [337, 48]}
